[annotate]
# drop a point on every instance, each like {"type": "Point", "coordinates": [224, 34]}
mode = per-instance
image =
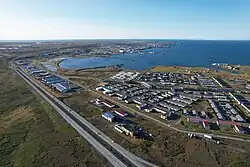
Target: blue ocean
{"type": "Point", "coordinates": [184, 53]}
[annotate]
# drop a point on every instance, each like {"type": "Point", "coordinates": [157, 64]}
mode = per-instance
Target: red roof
{"type": "Point", "coordinates": [198, 119]}
{"type": "Point", "coordinates": [229, 123]}
{"type": "Point", "coordinates": [206, 122]}
{"type": "Point", "coordinates": [122, 112]}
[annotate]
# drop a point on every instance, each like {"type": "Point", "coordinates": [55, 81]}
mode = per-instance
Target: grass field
{"type": "Point", "coordinates": [223, 74]}
{"type": "Point", "coordinates": [85, 81]}
{"type": "Point", "coordinates": [33, 134]}
{"type": "Point", "coordinates": [99, 73]}
{"type": "Point", "coordinates": [168, 148]}
{"type": "Point", "coordinates": [177, 69]}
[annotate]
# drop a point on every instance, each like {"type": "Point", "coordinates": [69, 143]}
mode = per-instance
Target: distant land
{"type": "Point", "coordinates": [190, 53]}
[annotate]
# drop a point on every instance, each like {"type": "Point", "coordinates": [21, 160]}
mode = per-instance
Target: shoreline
{"type": "Point", "coordinates": [144, 51]}
{"type": "Point", "coordinates": [204, 68]}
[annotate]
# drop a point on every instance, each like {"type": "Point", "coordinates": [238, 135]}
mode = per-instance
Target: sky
{"type": "Point", "coordinates": [124, 19]}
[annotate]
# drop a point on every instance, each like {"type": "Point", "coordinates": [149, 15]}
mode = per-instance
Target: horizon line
{"type": "Point", "coordinates": [103, 39]}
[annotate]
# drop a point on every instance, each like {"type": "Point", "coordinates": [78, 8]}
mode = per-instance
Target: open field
{"type": "Point", "coordinates": [98, 73]}
{"type": "Point", "coordinates": [167, 148]}
{"type": "Point", "coordinates": [245, 69]}
{"type": "Point", "coordinates": [177, 69]}
{"type": "Point", "coordinates": [85, 81]}
{"type": "Point", "coordinates": [33, 134]}
{"type": "Point", "coordinates": [224, 74]}
{"type": "Point", "coordinates": [81, 103]}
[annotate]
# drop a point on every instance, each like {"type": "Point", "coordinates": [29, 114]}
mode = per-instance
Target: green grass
{"type": "Point", "coordinates": [33, 134]}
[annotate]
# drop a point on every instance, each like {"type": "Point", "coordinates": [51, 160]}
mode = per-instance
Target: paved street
{"type": "Point", "coordinates": [107, 154]}
{"type": "Point", "coordinates": [115, 161]}
{"type": "Point", "coordinates": [165, 124]}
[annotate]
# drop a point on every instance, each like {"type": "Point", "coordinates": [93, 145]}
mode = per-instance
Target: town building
{"type": "Point", "coordinates": [166, 116]}
{"type": "Point", "coordinates": [108, 116]}
{"type": "Point", "coordinates": [65, 87]}
{"type": "Point", "coordinates": [108, 104]}
{"type": "Point", "coordinates": [121, 112]}
{"type": "Point", "coordinates": [239, 129]}
{"type": "Point", "coordinates": [206, 125]}
{"type": "Point", "coordinates": [126, 129]}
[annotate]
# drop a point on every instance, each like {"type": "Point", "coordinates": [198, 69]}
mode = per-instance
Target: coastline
{"type": "Point", "coordinates": [144, 51]}
{"type": "Point", "coordinates": [182, 55]}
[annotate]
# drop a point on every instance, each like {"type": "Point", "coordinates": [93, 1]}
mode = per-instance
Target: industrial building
{"type": "Point", "coordinates": [105, 103]}
{"type": "Point", "coordinates": [126, 129]}
{"type": "Point", "coordinates": [108, 116]}
{"type": "Point", "coordinates": [121, 112]}
{"type": "Point", "coordinates": [64, 87]}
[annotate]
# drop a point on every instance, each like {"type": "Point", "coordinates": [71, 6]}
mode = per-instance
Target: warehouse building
{"type": "Point", "coordinates": [108, 116]}
{"type": "Point", "coordinates": [36, 72]}
{"type": "Point", "coordinates": [121, 112]}
{"type": "Point", "coordinates": [55, 81]}
{"type": "Point", "coordinates": [103, 102]}
{"type": "Point", "coordinates": [108, 104]}
{"type": "Point", "coordinates": [126, 129]}
{"type": "Point", "coordinates": [65, 87]}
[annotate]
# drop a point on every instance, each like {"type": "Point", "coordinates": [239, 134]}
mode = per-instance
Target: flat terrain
{"type": "Point", "coordinates": [33, 134]}
{"type": "Point", "coordinates": [245, 71]}
{"type": "Point", "coordinates": [84, 81]}
{"type": "Point", "coordinates": [98, 73]}
{"type": "Point", "coordinates": [177, 69]}
{"type": "Point", "coordinates": [167, 148]}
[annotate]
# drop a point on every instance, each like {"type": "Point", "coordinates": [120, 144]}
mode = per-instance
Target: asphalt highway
{"type": "Point", "coordinates": [107, 154]}
{"type": "Point", "coordinates": [114, 153]}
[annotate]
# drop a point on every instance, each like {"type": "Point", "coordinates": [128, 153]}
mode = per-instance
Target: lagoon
{"type": "Point", "coordinates": [189, 53]}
